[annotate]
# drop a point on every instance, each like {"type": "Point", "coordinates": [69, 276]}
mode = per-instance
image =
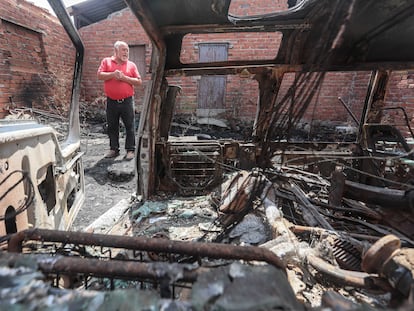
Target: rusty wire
{"type": "Point", "coordinates": [28, 198]}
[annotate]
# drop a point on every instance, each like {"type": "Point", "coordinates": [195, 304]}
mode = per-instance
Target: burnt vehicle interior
{"type": "Point", "coordinates": [353, 40]}
{"type": "Point", "coordinates": [333, 203]}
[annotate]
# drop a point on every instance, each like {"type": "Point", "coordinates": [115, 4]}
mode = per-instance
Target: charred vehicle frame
{"type": "Point", "coordinates": [274, 172]}
{"type": "Point", "coordinates": [317, 37]}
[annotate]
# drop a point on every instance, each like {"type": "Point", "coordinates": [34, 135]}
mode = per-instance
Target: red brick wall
{"type": "Point", "coordinates": [255, 7]}
{"type": "Point", "coordinates": [241, 93]}
{"type": "Point", "coordinates": [400, 94]}
{"type": "Point", "coordinates": [351, 87]}
{"type": "Point", "coordinates": [37, 58]}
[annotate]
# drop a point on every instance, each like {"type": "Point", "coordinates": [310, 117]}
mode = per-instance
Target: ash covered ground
{"type": "Point", "coordinates": [107, 181]}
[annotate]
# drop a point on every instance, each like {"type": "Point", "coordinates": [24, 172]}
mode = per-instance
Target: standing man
{"type": "Point", "coordinates": [120, 76]}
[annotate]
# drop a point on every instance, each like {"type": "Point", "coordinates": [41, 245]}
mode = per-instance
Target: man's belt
{"type": "Point", "coordinates": [120, 101]}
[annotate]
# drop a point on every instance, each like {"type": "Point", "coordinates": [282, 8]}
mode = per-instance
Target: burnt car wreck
{"type": "Point", "coordinates": [290, 218]}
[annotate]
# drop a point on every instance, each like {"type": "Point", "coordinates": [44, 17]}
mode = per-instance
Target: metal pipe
{"type": "Point", "coordinates": [373, 80]}
{"type": "Point", "coordinates": [111, 268]}
{"type": "Point", "coordinates": [352, 278]}
{"type": "Point", "coordinates": [64, 18]}
{"type": "Point", "coordinates": [211, 250]}
{"type": "Point", "coordinates": [349, 111]}
{"type": "Point", "coordinates": [305, 229]}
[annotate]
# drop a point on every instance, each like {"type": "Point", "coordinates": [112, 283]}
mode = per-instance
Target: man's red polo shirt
{"type": "Point", "coordinates": [116, 89]}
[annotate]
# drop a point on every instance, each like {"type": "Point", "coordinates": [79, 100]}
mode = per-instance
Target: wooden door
{"type": "Point", "coordinates": [212, 89]}
{"type": "Point", "coordinates": [137, 55]}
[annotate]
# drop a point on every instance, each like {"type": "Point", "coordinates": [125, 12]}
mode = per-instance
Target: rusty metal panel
{"type": "Point", "coordinates": [194, 166]}
{"type": "Point", "coordinates": [37, 187]}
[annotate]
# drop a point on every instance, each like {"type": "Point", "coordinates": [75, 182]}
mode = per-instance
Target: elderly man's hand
{"type": "Point", "coordinates": [119, 75]}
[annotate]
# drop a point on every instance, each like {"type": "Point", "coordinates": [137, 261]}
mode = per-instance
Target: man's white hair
{"type": "Point", "coordinates": [117, 44]}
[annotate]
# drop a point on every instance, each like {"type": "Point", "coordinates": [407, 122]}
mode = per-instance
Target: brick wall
{"type": "Point", "coordinates": [400, 94]}
{"type": "Point", "coordinates": [241, 92]}
{"type": "Point", "coordinates": [351, 87]}
{"type": "Point", "coordinates": [37, 57]}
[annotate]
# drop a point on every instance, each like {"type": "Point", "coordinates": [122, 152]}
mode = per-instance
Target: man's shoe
{"type": "Point", "coordinates": [112, 154]}
{"type": "Point", "coordinates": [129, 156]}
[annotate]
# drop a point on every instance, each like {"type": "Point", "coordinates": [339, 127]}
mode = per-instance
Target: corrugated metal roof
{"type": "Point", "coordinates": [92, 11]}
